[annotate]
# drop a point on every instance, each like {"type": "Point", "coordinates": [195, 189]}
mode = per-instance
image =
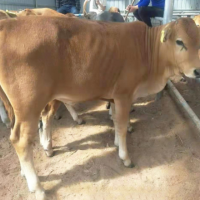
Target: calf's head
{"type": "Point", "coordinates": [182, 42]}
{"type": "Point", "coordinates": [197, 20]}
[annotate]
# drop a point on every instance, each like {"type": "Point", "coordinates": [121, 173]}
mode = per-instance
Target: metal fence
{"type": "Point", "coordinates": [178, 4]}
{"type": "Point", "coordinates": [189, 5]}
{"type": "Point", "coordinates": [22, 4]}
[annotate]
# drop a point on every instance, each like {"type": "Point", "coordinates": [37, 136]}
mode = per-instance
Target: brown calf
{"type": "Point", "coordinates": [115, 61]}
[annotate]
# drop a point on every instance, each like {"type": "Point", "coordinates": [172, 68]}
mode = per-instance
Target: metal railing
{"type": "Point", "coordinates": [27, 4]}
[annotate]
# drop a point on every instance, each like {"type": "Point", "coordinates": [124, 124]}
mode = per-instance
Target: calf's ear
{"type": "Point", "coordinates": [165, 34]}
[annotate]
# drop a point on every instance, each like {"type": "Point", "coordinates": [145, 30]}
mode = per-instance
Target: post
{"type": "Point", "coordinates": [36, 5]}
{"type": "Point", "coordinates": [168, 12]}
{"type": "Point", "coordinates": [181, 101]}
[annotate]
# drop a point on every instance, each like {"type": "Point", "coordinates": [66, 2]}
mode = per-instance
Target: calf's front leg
{"type": "Point", "coordinates": [121, 119]}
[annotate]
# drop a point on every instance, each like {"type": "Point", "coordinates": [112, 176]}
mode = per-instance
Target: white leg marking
{"type": "Point", "coordinates": [32, 179]}
{"type": "Point", "coordinates": [110, 110]}
{"type": "Point", "coordinates": [22, 143]}
{"type": "Point", "coordinates": [3, 114]}
{"type": "Point", "coordinates": [123, 152]}
{"type": "Point", "coordinates": [122, 108]}
{"type": "Point", "coordinates": [45, 135]}
{"type": "Point", "coordinates": [74, 114]}
{"type": "Point", "coordinates": [22, 172]}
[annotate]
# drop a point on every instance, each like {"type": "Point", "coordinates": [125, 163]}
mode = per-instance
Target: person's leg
{"type": "Point", "coordinates": [62, 9]}
{"type": "Point", "coordinates": [65, 9]}
{"type": "Point", "coordinates": [136, 14]}
{"type": "Point", "coordinates": [146, 13]}
{"type": "Point", "coordinates": [73, 10]}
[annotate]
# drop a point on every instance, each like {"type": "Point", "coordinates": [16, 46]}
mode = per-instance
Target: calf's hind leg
{"type": "Point", "coordinates": [3, 115]}
{"type": "Point", "coordinates": [45, 130]}
{"type": "Point", "coordinates": [22, 136]}
{"type": "Point", "coordinates": [74, 114]}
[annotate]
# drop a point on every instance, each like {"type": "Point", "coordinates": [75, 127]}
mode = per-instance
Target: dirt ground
{"type": "Point", "coordinates": [164, 147]}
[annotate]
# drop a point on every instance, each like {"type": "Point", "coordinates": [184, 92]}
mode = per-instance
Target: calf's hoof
{"type": "Point", "coordinates": [40, 195]}
{"type": "Point", "coordinates": [57, 117]}
{"type": "Point", "coordinates": [130, 129]}
{"type": "Point", "coordinates": [8, 125]}
{"type": "Point", "coordinates": [80, 121]}
{"type": "Point", "coordinates": [128, 164]}
{"type": "Point", "coordinates": [49, 153]}
{"type": "Point", "coordinates": [183, 79]}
